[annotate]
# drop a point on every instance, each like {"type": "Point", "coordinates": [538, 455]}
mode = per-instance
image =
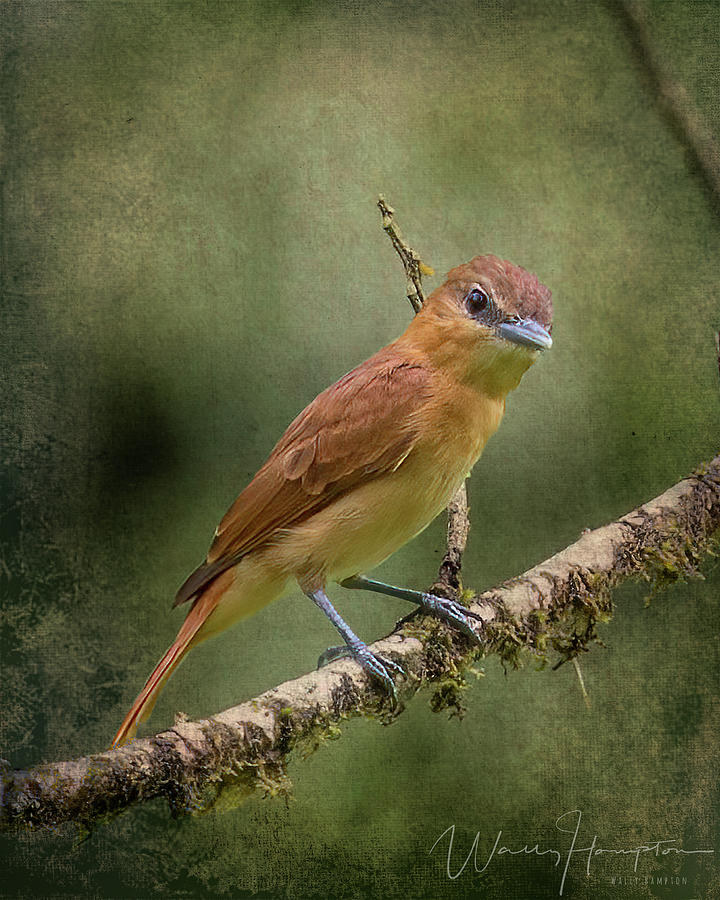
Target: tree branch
{"type": "Point", "coordinates": [220, 760]}
{"type": "Point", "coordinates": [674, 100]}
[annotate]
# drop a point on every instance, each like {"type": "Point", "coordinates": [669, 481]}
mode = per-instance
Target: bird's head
{"type": "Point", "coordinates": [487, 322]}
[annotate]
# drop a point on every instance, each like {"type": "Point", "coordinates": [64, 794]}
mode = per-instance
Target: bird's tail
{"type": "Point", "coordinates": [188, 635]}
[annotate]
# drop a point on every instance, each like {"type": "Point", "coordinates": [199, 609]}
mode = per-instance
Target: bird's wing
{"type": "Point", "coordinates": [361, 426]}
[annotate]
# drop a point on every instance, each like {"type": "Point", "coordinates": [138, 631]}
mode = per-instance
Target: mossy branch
{"type": "Point", "coordinates": [220, 760]}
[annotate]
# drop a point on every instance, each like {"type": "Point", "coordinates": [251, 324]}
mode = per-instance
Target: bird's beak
{"type": "Point", "coordinates": [527, 333]}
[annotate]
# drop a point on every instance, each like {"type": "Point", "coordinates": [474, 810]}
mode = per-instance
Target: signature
{"type": "Point", "coordinates": [568, 823]}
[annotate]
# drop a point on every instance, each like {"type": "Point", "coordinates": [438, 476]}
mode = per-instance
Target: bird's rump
{"type": "Point", "coordinates": [363, 425]}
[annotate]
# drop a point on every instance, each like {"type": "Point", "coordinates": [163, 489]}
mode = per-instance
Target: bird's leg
{"type": "Point", "coordinates": [378, 666]}
{"type": "Point", "coordinates": [448, 610]}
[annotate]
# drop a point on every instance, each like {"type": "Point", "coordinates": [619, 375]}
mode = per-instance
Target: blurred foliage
{"type": "Point", "coordinates": [191, 252]}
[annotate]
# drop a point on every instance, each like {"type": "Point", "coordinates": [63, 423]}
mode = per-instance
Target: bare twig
{"type": "Point", "coordinates": [415, 268]}
{"type": "Point", "coordinates": [458, 527]}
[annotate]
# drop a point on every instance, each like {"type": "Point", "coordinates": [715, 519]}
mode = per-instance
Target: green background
{"type": "Point", "coordinates": [191, 252]}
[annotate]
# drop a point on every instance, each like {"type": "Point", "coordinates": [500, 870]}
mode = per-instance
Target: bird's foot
{"type": "Point", "coordinates": [376, 665]}
{"type": "Point", "coordinates": [449, 611]}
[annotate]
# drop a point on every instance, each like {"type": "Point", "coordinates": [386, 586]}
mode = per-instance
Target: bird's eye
{"type": "Point", "coordinates": [477, 301]}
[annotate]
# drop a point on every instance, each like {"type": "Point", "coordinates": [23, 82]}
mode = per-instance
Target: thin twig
{"type": "Point", "coordinates": [458, 527]}
{"type": "Point", "coordinates": [414, 267]}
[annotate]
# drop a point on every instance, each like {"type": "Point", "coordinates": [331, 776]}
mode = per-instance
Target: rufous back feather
{"type": "Point", "coordinates": [359, 427]}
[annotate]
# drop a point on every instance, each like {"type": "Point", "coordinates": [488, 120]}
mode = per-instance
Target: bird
{"type": "Point", "coordinates": [366, 466]}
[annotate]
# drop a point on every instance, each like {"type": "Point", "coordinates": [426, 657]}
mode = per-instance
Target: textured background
{"type": "Point", "coordinates": [191, 252]}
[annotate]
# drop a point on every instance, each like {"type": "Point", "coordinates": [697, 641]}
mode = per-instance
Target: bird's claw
{"type": "Point", "coordinates": [376, 665]}
{"type": "Point", "coordinates": [452, 612]}
{"type": "Point", "coordinates": [331, 654]}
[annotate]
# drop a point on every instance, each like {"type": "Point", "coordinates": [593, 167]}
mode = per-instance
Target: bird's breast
{"type": "Point", "coordinates": [360, 529]}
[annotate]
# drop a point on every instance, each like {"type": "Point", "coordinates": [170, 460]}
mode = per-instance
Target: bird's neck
{"type": "Point", "coordinates": [489, 367]}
